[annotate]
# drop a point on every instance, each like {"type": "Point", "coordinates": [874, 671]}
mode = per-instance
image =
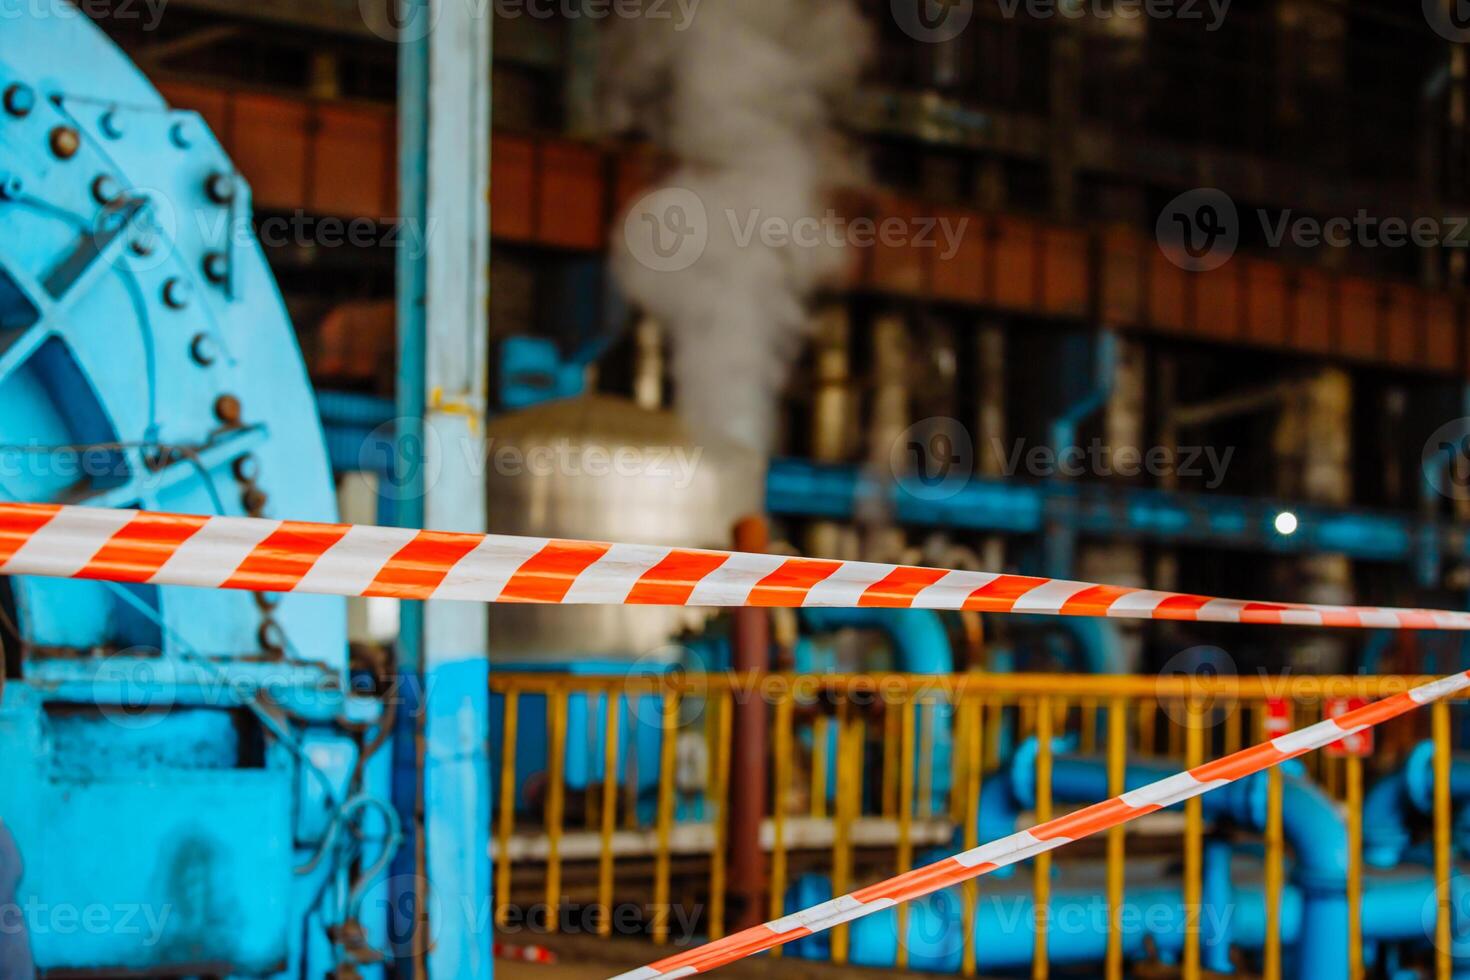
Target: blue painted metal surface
{"type": "Point", "coordinates": [797, 488]}
{"type": "Point", "coordinates": [1398, 901]}
{"type": "Point", "coordinates": [1101, 349]}
{"type": "Point", "coordinates": [167, 820]}
{"type": "Point", "coordinates": [445, 58]}
{"type": "Point", "coordinates": [921, 646]}
{"type": "Point", "coordinates": [532, 371]}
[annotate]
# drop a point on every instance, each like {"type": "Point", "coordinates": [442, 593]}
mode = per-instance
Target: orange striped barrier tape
{"type": "Point", "coordinates": [1044, 837]}
{"type": "Point", "coordinates": [356, 560]}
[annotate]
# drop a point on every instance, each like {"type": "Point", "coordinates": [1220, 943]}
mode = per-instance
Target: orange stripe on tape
{"type": "Point", "coordinates": [1095, 601]}
{"type": "Point", "coordinates": [1417, 619]}
{"type": "Point", "coordinates": [139, 548]}
{"type": "Point", "coordinates": [1378, 712]}
{"type": "Point", "coordinates": [1265, 613]}
{"type": "Point", "coordinates": [899, 587]}
{"type": "Point", "coordinates": [754, 940]}
{"type": "Point", "coordinates": [548, 575]}
{"type": "Point", "coordinates": [1090, 820]}
{"type": "Point", "coordinates": [920, 881]}
{"type": "Point", "coordinates": [1185, 607]}
{"type": "Point", "coordinates": [420, 566]}
{"type": "Point", "coordinates": [1001, 594]}
{"type": "Point", "coordinates": [1239, 764]}
{"type": "Point", "coordinates": [789, 584]}
{"type": "Point", "coordinates": [19, 522]}
{"type": "Point", "coordinates": [672, 581]}
{"type": "Point", "coordinates": [1341, 617]}
{"type": "Point", "coordinates": [279, 562]}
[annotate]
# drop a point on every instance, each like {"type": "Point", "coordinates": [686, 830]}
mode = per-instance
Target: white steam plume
{"type": "Point", "coordinates": [741, 96]}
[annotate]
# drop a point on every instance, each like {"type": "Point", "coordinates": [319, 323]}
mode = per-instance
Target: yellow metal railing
{"type": "Point", "coordinates": [868, 742]}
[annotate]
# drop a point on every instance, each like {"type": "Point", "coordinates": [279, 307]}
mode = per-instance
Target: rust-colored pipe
{"type": "Point", "coordinates": [750, 758]}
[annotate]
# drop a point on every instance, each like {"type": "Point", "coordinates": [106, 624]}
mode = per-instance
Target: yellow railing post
{"type": "Point", "coordinates": [928, 712]}
{"type": "Point", "coordinates": [819, 767]}
{"type": "Point", "coordinates": [1355, 866]}
{"type": "Point", "coordinates": [849, 800]}
{"type": "Point", "coordinates": [783, 743]}
{"type": "Point", "coordinates": [556, 798]}
{"type": "Point", "coordinates": [1194, 840]}
{"type": "Point", "coordinates": [1274, 874]}
{"type": "Point", "coordinates": [668, 760]}
{"type": "Point", "coordinates": [508, 730]}
{"type": "Point", "coordinates": [1147, 710]}
{"type": "Point", "coordinates": [1088, 737]}
{"type": "Point", "coordinates": [970, 814]}
{"type": "Point", "coordinates": [1041, 883]}
{"type": "Point", "coordinates": [609, 813]}
{"type": "Point", "coordinates": [1443, 937]}
{"type": "Point", "coordinates": [907, 720]}
{"type": "Point", "coordinates": [1117, 776]}
{"type": "Point", "coordinates": [890, 760]}
{"type": "Point", "coordinates": [722, 727]}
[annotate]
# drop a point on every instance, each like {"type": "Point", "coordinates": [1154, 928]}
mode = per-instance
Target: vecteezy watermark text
{"type": "Point", "coordinates": [148, 12]}
{"type": "Point", "coordinates": [384, 19]}
{"type": "Point", "coordinates": [940, 21]}
{"type": "Point", "coordinates": [1200, 230]}
{"type": "Point", "coordinates": [935, 459]}
{"type": "Point", "coordinates": [95, 919]}
{"type": "Point", "coordinates": [669, 230]}
{"type": "Point", "coordinates": [1099, 459]}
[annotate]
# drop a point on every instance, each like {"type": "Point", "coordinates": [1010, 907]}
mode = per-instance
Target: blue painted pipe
{"type": "Point", "coordinates": [1394, 800]}
{"type": "Point", "coordinates": [918, 635]}
{"type": "Point", "coordinates": [1099, 644]}
{"type": "Point", "coordinates": [1310, 822]}
{"type": "Point", "coordinates": [921, 645]}
{"type": "Point", "coordinates": [1152, 919]}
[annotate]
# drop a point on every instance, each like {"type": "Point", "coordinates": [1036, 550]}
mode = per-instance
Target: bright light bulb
{"type": "Point", "coordinates": [1286, 523]}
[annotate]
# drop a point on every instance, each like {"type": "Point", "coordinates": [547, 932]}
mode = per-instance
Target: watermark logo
{"type": "Point", "coordinates": [1204, 702]}
{"type": "Point", "coordinates": [933, 21]}
{"type": "Point", "coordinates": [137, 227]}
{"type": "Point", "coordinates": [1450, 19]}
{"type": "Point", "coordinates": [147, 13]}
{"type": "Point", "coordinates": [667, 230]}
{"type": "Point", "coordinates": [1097, 458]}
{"type": "Point", "coordinates": [146, 924]}
{"type": "Point", "coordinates": [400, 21]}
{"type": "Point", "coordinates": [411, 908]}
{"type": "Point", "coordinates": [407, 21]}
{"type": "Point", "coordinates": [1199, 230]}
{"type": "Point", "coordinates": [933, 459]}
{"type": "Point", "coordinates": [1446, 459]}
{"type": "Point", "coordinates": [129, 692]}
{"type": "Point", "coordinates": [408, 456]}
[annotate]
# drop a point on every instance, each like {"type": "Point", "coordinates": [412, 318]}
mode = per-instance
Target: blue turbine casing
{"type": "Point", "coordinates": [158, 823]}
{"type": "Point", "coordinates": [100, 344]}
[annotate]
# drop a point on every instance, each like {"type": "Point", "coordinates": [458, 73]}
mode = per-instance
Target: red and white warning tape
{"type": "Point", "coordinates": [339, 559]}
{"type": "Point", "coordinates": [353, 560]}
{"type": "Point", "coordinates": [1045, 837]}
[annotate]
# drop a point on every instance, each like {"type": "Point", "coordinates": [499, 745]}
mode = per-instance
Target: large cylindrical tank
{"type": "Point", "coordinates": [602, 468]}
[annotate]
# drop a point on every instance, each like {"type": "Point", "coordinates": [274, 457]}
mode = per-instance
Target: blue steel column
{"type": "Point", "coordinates": [443, 308]}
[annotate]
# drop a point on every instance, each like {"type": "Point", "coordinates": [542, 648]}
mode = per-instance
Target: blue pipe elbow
{"type": "Point", "coordinates": [918, 635]}
{"type": "Point", "coordinates": [1394, 800]}
{"type": "Point", "coordinates": [922, 646]}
